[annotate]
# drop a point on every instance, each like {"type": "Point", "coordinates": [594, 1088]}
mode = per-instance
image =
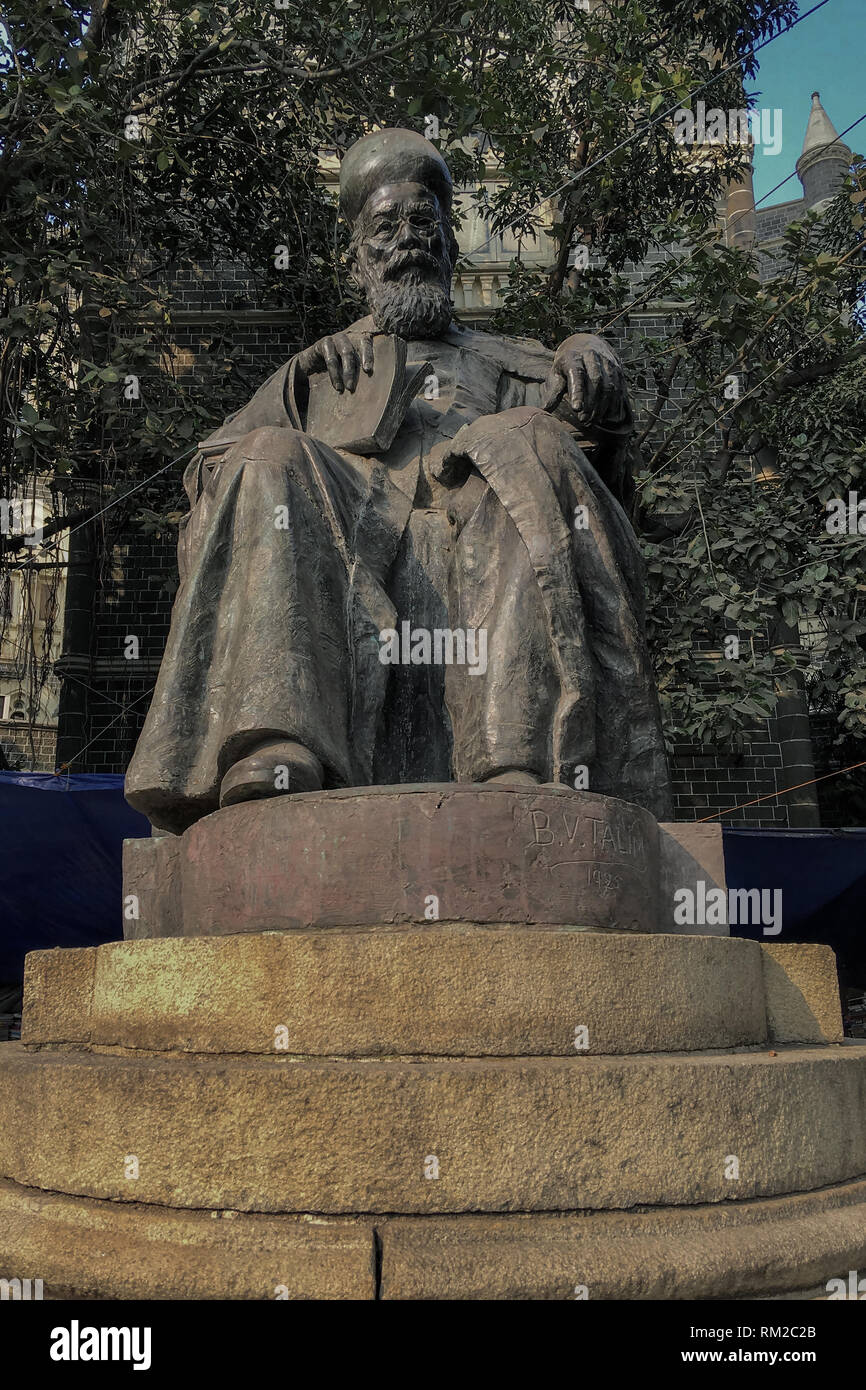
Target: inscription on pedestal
{"type": "Point", "coordinates": [602, 853]}
{"type": "Point", "coordinates": [378, 857]}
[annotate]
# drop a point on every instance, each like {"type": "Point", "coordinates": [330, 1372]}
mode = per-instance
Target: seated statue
{"type": "Point", "coordinates": [453, 593]}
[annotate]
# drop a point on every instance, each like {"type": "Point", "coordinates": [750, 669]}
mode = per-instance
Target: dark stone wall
{"type": "Point", "coordinates": [706, 781]}
{"type": "Point", "coordinates": [31, 748]}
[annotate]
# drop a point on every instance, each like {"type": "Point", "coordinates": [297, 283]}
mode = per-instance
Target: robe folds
{"type": "Point", "coordinates": [296, 558]}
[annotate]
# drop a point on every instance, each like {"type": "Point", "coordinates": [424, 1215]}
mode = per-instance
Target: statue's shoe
{"type": "Point", "coordinates": [277, 768]}
{"type": "Point", "coordinates": [516, 774]}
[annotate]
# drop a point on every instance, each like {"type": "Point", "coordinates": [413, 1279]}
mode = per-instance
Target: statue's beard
{"type": "Point", "coordinates": [411, 307]}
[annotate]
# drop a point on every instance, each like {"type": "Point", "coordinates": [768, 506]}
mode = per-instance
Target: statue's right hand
{"type": "Point", "coordinates": [341, 357]}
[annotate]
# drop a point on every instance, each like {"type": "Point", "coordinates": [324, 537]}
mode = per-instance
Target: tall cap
{"type": "Point", "coordinates": [391, 156]}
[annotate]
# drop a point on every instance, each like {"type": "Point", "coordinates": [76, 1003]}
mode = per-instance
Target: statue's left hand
{"type": "Point", "coordinates": [587, 376]}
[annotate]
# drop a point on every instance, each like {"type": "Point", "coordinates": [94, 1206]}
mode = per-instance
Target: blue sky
{"type": "Point", "coordinates": [825, 53]}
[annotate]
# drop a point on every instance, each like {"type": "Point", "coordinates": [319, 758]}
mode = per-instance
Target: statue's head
{"type": "Point", "coordinates": [395, 193]}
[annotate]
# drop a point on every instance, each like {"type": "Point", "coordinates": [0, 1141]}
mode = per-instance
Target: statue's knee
{"type": "Point", "coordinates": [270, 449]}
{"type": "Point", "coordinates": [536, 421]}
{"type": "Point", "coordinates": [530, 418]}
{"type": "Point", "coordinates": [531, 423]}
{"type": "Point", "coordinates": [267, 441]}
{"type": "Point", "coordinates": [545, 432]}
{"type": "Point", "coordinates": [522, 416]}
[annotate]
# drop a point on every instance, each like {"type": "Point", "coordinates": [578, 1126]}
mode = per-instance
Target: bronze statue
{"type": "Point", "coordinates": [405, 560]}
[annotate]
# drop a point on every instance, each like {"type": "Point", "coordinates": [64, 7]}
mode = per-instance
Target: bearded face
{"type": "Point", "coordinates": [404, 250]}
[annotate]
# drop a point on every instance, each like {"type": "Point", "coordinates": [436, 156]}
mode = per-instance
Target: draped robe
{"type": "Point", "coordinates": [295, 557]}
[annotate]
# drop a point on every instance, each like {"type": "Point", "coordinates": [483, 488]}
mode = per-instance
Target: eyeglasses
{"type": "Point", "coordinates": [388, 225]}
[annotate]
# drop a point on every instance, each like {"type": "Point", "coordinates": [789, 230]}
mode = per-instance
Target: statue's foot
{"type": "Point", "coordinates": [515, 774]}
{"type": "Point", "coordinates": [273, 769]}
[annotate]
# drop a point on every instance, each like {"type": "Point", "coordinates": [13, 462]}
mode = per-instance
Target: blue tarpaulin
{"type": "Point", "coordinates": [60, 862]}
{"type": "Point", "coordinates": [822, 878]}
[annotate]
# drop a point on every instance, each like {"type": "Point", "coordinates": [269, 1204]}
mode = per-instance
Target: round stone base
{"type": "Point", "coordinates": [452, 1111]}
{"type": "Point", "coordinates": [442, 990]}
{"type": "Point", "coordinates": [789, 1247]}
{"type": "Point", "coordinates": [444, 1135]}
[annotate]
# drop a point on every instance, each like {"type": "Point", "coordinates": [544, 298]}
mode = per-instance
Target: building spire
{"type": "Point", "coordinates": [820, 131]}
{"type": "Point", "coordinates": [825, 160]}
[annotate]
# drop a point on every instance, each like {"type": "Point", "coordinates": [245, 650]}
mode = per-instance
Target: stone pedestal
{"type": "Point", "coordinates": [511, 1105]}
{"type": "Point", "coordinates": [376, 856]}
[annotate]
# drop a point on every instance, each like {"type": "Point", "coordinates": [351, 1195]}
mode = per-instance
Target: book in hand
{"type": "Point", "coordinates": [366, 420]}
